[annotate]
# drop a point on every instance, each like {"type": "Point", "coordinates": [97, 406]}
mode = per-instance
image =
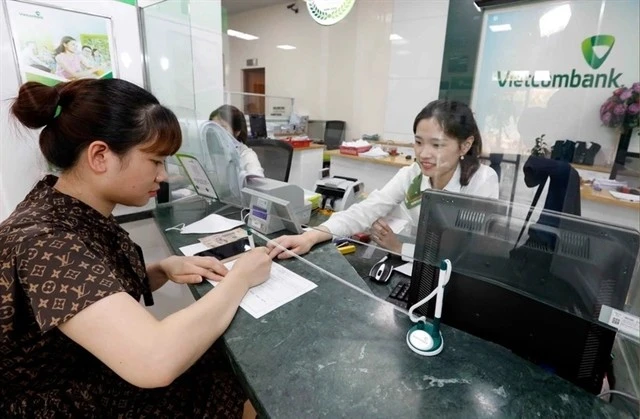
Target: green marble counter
{"type": "Point", "coordinates": [337, 353]}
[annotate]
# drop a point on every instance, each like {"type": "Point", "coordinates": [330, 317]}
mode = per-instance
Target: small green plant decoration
{"type": "Point", "coordinates": [540, 149]}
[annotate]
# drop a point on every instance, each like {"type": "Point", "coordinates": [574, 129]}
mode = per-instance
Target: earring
{"type": "Point", "coordinates": [461, 157]}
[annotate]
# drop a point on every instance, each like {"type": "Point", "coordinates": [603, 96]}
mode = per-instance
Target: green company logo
{"type": "Point", "coordinates": [597, 41]}
{"type": "Point", "coordinates": [35, 15]}
{"type": "Point", "coordinates": [573, 78]}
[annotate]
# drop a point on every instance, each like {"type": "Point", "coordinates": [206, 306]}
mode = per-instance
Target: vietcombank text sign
{"type": "Point", "coordinates": [576, 78]}
{"type": "Point", "coordinates": [546, 67]}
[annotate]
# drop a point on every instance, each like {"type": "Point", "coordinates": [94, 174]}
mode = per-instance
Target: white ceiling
{"type": "Point", "coordinates": [238, 6]}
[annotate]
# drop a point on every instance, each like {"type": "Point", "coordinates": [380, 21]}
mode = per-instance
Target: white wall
{"type": "Point", "coordinates": [350, 71]}
{"type": "Point", "coordinates": [21, 164]}
{"type": "Point", "coordinates": [415, 63]}
{"type": "Point", "coordinates": [335, 72]}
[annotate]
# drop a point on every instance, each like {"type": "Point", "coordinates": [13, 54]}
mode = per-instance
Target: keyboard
{"type": "Point", "coordinates": [400, 295]}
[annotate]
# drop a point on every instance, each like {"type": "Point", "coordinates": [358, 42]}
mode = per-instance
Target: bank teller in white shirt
{"type": "Point", "coordinates": [447, 146]}
{"type": "Point", "coordinates": [232, 119]}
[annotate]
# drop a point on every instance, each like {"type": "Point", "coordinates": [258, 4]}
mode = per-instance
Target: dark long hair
{"type": "Point", "coordinates": [457, 121]}
{"type": "Point", "coordinates": [60, 49]}
{"type": "Point", "coordinates": [235, 118]}
{"type": "Point", "coordinates": [76, 113]}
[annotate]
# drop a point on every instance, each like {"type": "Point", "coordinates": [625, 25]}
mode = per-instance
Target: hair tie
{"type": "Point", "coordinates": [58, 110]}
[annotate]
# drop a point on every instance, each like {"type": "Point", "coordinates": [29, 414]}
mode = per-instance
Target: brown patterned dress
{"type": "Point", "coordinates": [57, 257]}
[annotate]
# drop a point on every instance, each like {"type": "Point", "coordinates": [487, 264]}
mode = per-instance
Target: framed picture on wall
{"type": "Point", "coordinates": [54, 45]}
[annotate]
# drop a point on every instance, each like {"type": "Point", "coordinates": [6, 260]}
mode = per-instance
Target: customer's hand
{"type": "Point", "coordinates": [298, 244]}
{"type": "Point", "coordinates": [382, 234]}
{"type": "Point", "coordinates": [253, 266]}
{"type": "Point", "coordinates": [192, 269]}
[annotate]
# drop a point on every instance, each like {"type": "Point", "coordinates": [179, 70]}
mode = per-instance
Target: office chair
{"type": "Point", "coordinates": [333, 134]}
{"type": "Point", "coordinates": [495, 159]}
{"type": "Point", "coordinates": [275, 157]}
{"type": "Point", "coordinates": [563, 196]}
{"type": "Point", "coordinates": [333, 137]}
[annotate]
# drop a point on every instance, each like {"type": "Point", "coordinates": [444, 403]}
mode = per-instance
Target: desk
{"type": "Point", "coordinates": [601, 205]}
{"type": "Point", "coordinates": [336, 353]}
{"type": "Point", "coordinates": [375, 172]}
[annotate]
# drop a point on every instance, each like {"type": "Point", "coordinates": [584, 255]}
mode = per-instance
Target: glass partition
{"type": "Point", "coordinates": [509, 176]}
{"type": "Point", "coordinates": [534, 217]}
{"type": "Point", "coordinates": [175, 34]}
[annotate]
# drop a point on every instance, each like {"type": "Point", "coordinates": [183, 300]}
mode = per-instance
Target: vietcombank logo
{"type": "Point", "coordinates": [590, 55]}
{"type": "Point", "coordinates": [573, 79]}
{"type": "Point", "coordinates": [35, 15]}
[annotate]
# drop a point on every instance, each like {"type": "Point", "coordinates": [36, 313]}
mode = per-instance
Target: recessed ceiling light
{"type": "Point", "coordinates": [241, 35]}
{"type": "Point", "coordinates": [286, 47]}
{"type": "Point", "coordinates": [500, 28]}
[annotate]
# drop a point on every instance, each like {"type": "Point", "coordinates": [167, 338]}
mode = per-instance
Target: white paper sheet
{"type": "Point", "coordinates": [396, 224]}
{"type": "Point", "coordinates": [192, 249]}
{"type": "Point", "coordinates": [375, 152]}
{"type": "Point", "coordinates": [406, 269]}
{"type": "Point", "coordinates": [281, 287]}
{"type": "Point", "coordinates": [210, 224]}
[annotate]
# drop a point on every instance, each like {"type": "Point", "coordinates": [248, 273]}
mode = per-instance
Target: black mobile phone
{"type": "Point", "coordinates": [227, 250]}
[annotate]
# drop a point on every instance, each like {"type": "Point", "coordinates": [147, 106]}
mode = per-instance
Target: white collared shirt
{"type": "Point", "coordinates": [380, 203]}
{"type": "Point", "coordinates": [249, 161]}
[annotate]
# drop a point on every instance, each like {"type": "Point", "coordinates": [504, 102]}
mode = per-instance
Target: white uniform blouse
{"type": "Point", "coordinates": [380, 203]}
{"type": "Point", "coordinates": [249, 161]}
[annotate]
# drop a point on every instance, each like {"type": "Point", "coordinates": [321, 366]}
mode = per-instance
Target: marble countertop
{"type": "Point", "coordinates": [335, 352]}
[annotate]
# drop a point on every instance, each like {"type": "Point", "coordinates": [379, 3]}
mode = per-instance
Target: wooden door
{"type": "Point", "coordinates": [253, 79]}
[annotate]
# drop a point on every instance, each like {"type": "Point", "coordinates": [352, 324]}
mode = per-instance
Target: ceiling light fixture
{"type": "Point", "coordinates": [395, 37]}
{"type": "Point", "coordinates": [500, 28]}
{"type": "Point", "coordinates": [241, 35]}
{"type": "Point", "coordinates": [286, 47]}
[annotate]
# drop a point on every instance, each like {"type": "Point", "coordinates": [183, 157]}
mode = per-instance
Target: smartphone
{"type": "Point", "coordinates": [229, 250]}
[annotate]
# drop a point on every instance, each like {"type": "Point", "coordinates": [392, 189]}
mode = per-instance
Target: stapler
{"type": "Point", "coordinates": [340, 192]}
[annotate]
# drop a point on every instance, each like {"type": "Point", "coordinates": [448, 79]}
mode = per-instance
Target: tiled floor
{"type": "Point", "coordinates": [171, 297]}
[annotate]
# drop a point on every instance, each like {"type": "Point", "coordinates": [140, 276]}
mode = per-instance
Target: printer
{"type": "Point", "coordinates": [339, 191]}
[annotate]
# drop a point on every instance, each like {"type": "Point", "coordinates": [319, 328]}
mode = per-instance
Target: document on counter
{"type": "Point", "coordinates": [281, 287]}
{"type": "Point", "coordinates": [406, 269]}
{"type": "Point", "coordinates": [396, 224]}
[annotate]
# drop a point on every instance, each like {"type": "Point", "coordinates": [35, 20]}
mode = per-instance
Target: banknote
{"type": "Point", "coordinates": [220, 239]}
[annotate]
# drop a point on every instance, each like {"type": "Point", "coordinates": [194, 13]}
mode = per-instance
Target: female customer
{"type": "Point", "coordinates": [70, 64]}
{"type": "Point", "coordinates": [74, 339]}
{"type": "Point", "coordinates": [447, 147]}
{"type": "Point", "coordinates": [233, 120]}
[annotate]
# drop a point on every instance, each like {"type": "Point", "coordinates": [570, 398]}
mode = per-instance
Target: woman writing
{"type": "Point", "coordinates": [233, 120]}
{"type": "Point", "coordinates": [447, 146]}
{"type": "Point", "coordinates": [74, 339]}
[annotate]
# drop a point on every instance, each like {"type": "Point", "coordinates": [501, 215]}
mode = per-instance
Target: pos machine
{"type": "Point", "coordinates": [275, 205]}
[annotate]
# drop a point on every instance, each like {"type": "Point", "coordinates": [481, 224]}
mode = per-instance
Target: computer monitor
{"type": "Point", "coordinates": [540, 302]}
{"type": "Point", "coordinates": [258, 126]}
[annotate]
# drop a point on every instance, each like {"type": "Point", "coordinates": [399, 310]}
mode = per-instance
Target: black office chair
{"type": "Point", "coordinates": [275, 157]}
{"type": "Point", "coordinates": [563, 196]}
{"type": "Point", "coordinates": [333, 137]}
{"type": "Point", "coordinates": [333, 134]}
